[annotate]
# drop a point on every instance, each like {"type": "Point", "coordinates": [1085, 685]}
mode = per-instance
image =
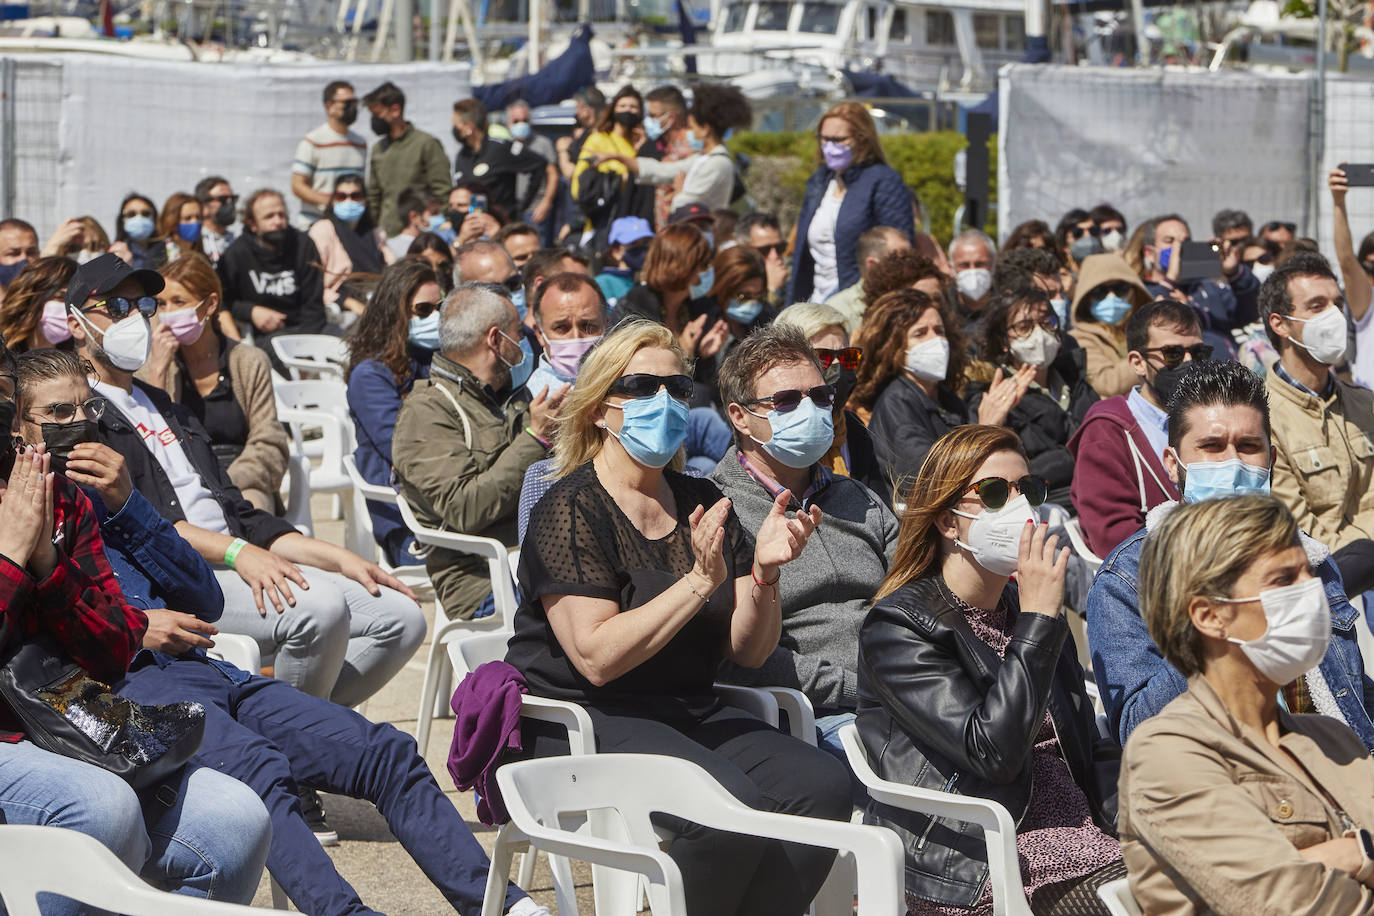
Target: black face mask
{"type": "Point", "coordinates": [455, 219]}
{"type": "Point", "coordinates": [459, 137]}
{"type": "Point", "coordinates": [634, 258]}
{"type": "Point", "coordinates": [350, 112]}
{"type": "Point", "coordinates": [380, 127]}
{"type": "Point", "coordinates": [277, 238]}
{"type": "Point", "coordinates": [61, 438]}
{"type": "Point", "coordinates": [1165, 382]}
{"type": "Point", "coordinates": [224, 215]}
{"type": "Point", "coordinates": [844, 381]}
{"type": "Point", "coordinates": [628, 119]}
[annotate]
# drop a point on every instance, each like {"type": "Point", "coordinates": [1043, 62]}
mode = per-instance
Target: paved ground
{"type": "Point", "coordinates": [368, 855]}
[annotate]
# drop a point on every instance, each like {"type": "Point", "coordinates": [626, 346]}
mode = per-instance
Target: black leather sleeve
{"type": "Point", "coordinates": [915, 670]}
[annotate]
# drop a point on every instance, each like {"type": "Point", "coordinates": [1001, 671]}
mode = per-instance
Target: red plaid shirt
{"type": "Point", "coordinates": [79, 604]}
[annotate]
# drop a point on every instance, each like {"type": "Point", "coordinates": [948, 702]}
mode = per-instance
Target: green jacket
{"type": "Point", "coordinates": [414, 159]}
{"type": "Point", "coordinates": [467, 482]}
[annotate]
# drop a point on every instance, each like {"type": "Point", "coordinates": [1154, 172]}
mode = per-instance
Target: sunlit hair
{"type": "Point", "coordinates": [579, 438]}
{"type": "Point", "coordinates": [41, 279]}
{"type": "Point", "coordinates": [883, 339]}
{"type": "Point", "coordinates": [734, 267]}
{"type": "Point", "coordinates": [33, 367]}
{"type": "Point", "coordinates": [676, 255]}
{"type": "Point", "coordinates": [814, 319]}
{"type": "Point", "coordinates": [865, 135]}
{"type": "Point", "coordinates": [1220, 539]}
{"type": "Point", "coordinates": [945, 476]}
{"type": "Point", "coordinates": [171, 215]}
{"type": "Point", "coordinates": [194, 272]}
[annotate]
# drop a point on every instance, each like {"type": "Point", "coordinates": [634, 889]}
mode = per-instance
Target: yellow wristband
{"type": "Point", "coordinates": [232, 553]}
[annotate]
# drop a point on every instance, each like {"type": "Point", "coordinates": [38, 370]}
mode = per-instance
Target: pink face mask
{"type": "Point", "coordinates": [565, 356]}
{"type": "Point", "coordinates": [54, 321]}
{"type": "Point", "coordinates": [185, 326]}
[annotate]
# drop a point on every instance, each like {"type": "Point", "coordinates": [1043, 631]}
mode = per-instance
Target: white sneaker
{"type": "Point", "coordinates": [527, 907]}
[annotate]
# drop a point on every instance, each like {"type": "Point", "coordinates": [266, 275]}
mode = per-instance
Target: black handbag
{"type": "Point", "coordinates": [66, 711]}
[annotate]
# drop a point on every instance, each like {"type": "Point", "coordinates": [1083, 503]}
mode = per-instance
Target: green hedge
{"type": "Point", "coordinates": [925, 161]}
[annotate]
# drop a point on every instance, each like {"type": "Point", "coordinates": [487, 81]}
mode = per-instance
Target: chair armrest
{"type": "Point", "coordinates": [561, 712]}
{"type": "Point", "coordinates": [801, 717]}
{"type": "Point", "coordinates": [753, 700]}
{"type": "Point", "coordinates": [490, 548]}
{"type": "Point", "coordinates": [372, 491]}
{"type": "Point", "coordinates": [654, 864]}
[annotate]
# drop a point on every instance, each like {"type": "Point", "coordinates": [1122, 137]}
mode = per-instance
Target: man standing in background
{"type": "Point", "coordinates": [327, 152]}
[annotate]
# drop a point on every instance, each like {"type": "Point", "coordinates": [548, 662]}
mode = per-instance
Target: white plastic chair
{"type": "Point", "coordinates": [238, 650]}
{"type": "Point", "coordinates": [318, 355]}
{"type": "Point", "coordinates": [295, 490]}
{"type": "Point", "coordinates": [1116, 895]}
{"type": "Point", "coordinates": [316, 404]}
{"type": "Point", "coordinates": [55, 860]}
{"type": "Point", "coordinates": [540, 794]}
{"type": "Point", "coordinates": [999, 830]}
{"type": "Point", "coordinates": [1080, 546]}
{"type": "Point", "coordinates": [438, 683]}
{"type": "Point", "coordinates": [358, 535]}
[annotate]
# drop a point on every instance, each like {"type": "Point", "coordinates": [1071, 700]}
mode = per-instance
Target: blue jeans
{"type": "Point", "coordinates": [200, 833]}
{"type": "Point", "coordinates": [828, 740]}
{"type": "Point", "coordinates": [272, 736]}
{"type": "Point", "coordinates": [708, 439]}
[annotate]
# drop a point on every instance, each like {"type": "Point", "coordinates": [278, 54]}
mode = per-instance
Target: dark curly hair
{"type": "Point", "coordinates": [720, 107]}
{"type": "Point", "coordinates": [898, 270]}
{"type": "Point", "coordinates": [381, 333]}
{"type": "Point", "coordinates": [1028, 233]}
{"type": "Point", "coordinates": [1016, 269]}
{"type": "Point", "coordinates": [993, 339]}
{"type": "Point", "coordinates": [883, 339]}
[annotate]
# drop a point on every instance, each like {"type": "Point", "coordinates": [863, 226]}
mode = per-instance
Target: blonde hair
{"type": "Point", "coordinates": [812, 318]}
{"type": "Point", "coordinates": [579, 438]}
{"type": "Point", "coordinates": [1200, 550]}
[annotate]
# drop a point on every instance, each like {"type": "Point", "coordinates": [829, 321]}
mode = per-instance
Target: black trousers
{"type": "Point", "coordinates": [726, 873]}
{"type": "Point", "coordinates": [1356, 563]}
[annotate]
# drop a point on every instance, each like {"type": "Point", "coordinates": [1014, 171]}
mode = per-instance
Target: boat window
{"type": "Point", "coordinates": [987, 30]}
{"type": "Point", "coordinates": [734, 17]}
{"type": "Point", "coordinates": [898, 32]}
{"type": "Point", "coordinates": [772, 16]}
{"type": "Point", "coordinates": [939, 28]}
{"type": "Point", "coordinates": [821, 18]}
{"type": "Point", "coordinates": [1016, 33]}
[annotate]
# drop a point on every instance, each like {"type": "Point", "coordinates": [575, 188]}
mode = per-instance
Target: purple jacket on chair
{"type": "Point", "coordinates": [487, 710]}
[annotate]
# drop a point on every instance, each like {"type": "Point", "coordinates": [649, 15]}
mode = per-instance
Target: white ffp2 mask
{"type": "Point", "coordinates": [994, 538]}
{"type": "Point", "coordinates": [1298, 629]}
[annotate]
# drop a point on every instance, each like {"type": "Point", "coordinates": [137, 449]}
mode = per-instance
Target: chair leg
{"type": "Point", "coordinates": [498, 875]}
{"type": "Point", "coordinates": [279, 899]}
{"type": "Point", "coordinates": [836, 896]}
{"type": "Point", "coordinates": [564, 891]}
{"type": "Point", "coordinates": [616, 892]}
{"type": "Point", "coordinates": [525, 876]}
{"type": "Point", "coordinates": [443, 693]}
{"type": "Point", "coordinates": [429, 691]}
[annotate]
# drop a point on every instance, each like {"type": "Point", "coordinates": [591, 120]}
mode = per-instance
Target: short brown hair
{"type": "Point", "coordinates": [677, 254]}
{"type": "Point", "coordinates": [883, 339]}
{"type": "Point", "coordinates": [865, 134]}
{"type": "Point", "coordinates": [765, 347]}
{"type": "Point", "coordinates": [734, 267]}
{"type": "Point", "coordinates": [1221, 539]}
{"type": "Point", "coordinates": [194, 272]}
{"type": "Point", "coordinates": [35, 366]}
{"type": "Point", "coordinates": [899, 270]}
{"type": "Point", "coordinates": [472, 111]}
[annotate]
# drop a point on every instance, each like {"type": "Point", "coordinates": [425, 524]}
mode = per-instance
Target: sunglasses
{"type": "Point", "coordinates": [825, 139]}
{"type": "Point", "coordinates": [645, 385]}
{"type": "Point", "coordinates": [356, 195]}
{"type": "Point", "coordinates": [1118, 289]}
{"type": "Point", "coordinates": [1278, 224]}
{"type": "Point", "coordinates": [1265, 258]}
{"type": "Point", "coordinates": [1077, 232]}
{"type": "Point", "coordinates": [424, 309]}
{"type": "Point", "coordinates": [513, 283]}
{"type": "Point", "coordinates": [222, 199]}
{"type": "Point", "coordinates": [1368, 267]}
{"type": "Point", "coordinates": [789, 399]}
{"type": "Point", "coordinates": [776, 248]}
{"type": "Point", "coordinates": [993, 492]}
{"type": "Point", "coordinates": [119, 308]}
{"type": "Point", "coordinates": [65, 412]}
{"type": "Point", "coordinates": [849, 358]}
{"type": "Point", "coordinates": [1174, 353]}
{"type": "Point", "coordinates": [130, 214]}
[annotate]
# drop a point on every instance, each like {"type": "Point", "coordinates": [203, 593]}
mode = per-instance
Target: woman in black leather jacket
{"type": "Point", "coordinates": [971, 685]}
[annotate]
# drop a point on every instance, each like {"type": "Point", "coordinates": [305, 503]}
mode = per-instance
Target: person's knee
{"type": "Point", "coordinates": [821, 788]}
{"type": "Point", "coordinates": [217, 844]}
{"type": "Point", "coordinates": [320, 615]}
{"type": "Point", "coordinates": [400, 622]}
{"type": "Point", "coordinates": [104, 806]}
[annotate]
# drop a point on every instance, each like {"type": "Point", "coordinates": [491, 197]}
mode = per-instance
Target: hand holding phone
{"type": "Point", "coordinates": [478, 204]}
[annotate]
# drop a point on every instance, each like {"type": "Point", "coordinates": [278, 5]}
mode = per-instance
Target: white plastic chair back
{"type": "Point", "coordinates": [358, 534]}
{"type": "Point", "coordinates": [238, 650]}
{"type": "Point", "coordinates": [541, 794]}
{"type": "Point", "coordinates": [36, 860]}
{"type": "Point", "coordinates": [1116, 895]}
{"type": "Point", "coordinates": [999, 830]}
{"type": "Point", "coordinates": [295, 492]}
{"type": "Point", "coordinates": [312, 355]}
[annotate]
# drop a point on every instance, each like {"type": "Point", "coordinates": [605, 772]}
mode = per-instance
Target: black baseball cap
{"type": "Point", "coordinates": [690, 212]}
{"type": "Point", "coordinates": [102, 274]}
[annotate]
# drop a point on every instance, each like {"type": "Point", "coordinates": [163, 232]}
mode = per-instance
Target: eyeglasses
{"type": "Point", "coordinates": [1265, 258]}
{"type": "Point", "coordinates": [1077, 232]}
{"type": "Point", "coordinates": [849, 357]}
{"type": "Point", "coordinates": [789, 399]}
{"type": "Point", "coordinates": [513, 283]}
{"type": "Point", "coordinates": [1279, 224]}
{"type": "Point", "coordinates": [424, 309]}
{"type": "Point", "coordinates": [845, 140]}
{"type": "Point", "coordinates": [119, 308]}
{"type": "Point", "coordinates": [776, 248]}
{"type": "Point", "coordinates": [645, 385]}
{"type": "Point", "coordinates": [130, 214]}
{"type": "Point", "coordinates": [993, 492]}
{"type": "Point", "coordinates": [1174, 353]}
{"type": "Point", "coordinates": [356, 195]}
{"type": "Point", "coordinates": [1049, 321]}
{"type": "Point", "coordinates": [65, 411]}
{"type": "Point", "coordinates": [222, 199]}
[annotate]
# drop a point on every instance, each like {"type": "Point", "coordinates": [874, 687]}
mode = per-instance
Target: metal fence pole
{"type": "Point", "coordinates": [1316, 128]}
{"type": "Point", "coordinates": [8, 71]}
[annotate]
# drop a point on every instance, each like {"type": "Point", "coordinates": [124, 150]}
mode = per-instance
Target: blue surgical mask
{"type": "Point", "coordinates": [744, 312]}
{"type": "Point", "coordinates": [1216, 479]}
{"type": "Point", "coordinates": [520, 130]}
{"type": "Point", "coordinates": [695, 143]}
{"type": "Point", "coordinates": [189, 231]}
{"type": "Point", "coordinates": [435, 221]}
{"type": "Point", "coordinates": [710, 238]}
{"type": "Point", "coordinates": [653, 428]}
{"type": "Point", "coordinates": [517, 299]}
{"type": "Point", "coordinates": [350, 211]}
{"type": "Point", "coordinates": [653, 128]}
{"type": "Point", "coordinates": [138, 228]}
{"type": "Point", "coordinates": [519, 372]}
{"type": "Point", "coordinates": [801, 436]}
{"type": "Point", "coordinates": [1111, 309]}
{"type": "Point", "coordinates": [424, 332]}
{"type": "Point", "coordinates": [705, 280]}
{"type": "Point", "coordinates": [1060, 304]}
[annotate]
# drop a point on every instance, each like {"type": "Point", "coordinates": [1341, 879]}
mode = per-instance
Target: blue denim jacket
{"type": "Point", "coordinates": [1136, 682]}
{"type": "Point", "coordinates": [157, 568]}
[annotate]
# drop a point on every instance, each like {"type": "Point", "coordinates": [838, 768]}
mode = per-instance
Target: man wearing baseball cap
{"type": "Point", "coordinates": [629, 240]}
{"type": "Point", "coordinates": [120, 300]}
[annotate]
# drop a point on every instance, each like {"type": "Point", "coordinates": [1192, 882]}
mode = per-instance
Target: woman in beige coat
{"type": "Point", "coordinates": [1106, 294]}
{"type": "Point", "coordinates": [1233, 799]}
{"type": "Point", "coordinates": [227, 385]}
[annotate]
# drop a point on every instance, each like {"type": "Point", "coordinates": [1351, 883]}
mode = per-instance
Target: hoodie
{"type": "Point", "coordinates": [1105, 344]}
{"type": "Point", "coordinates": [288, 280]}
{"type": "Point", "coordinates": [1117, 475]}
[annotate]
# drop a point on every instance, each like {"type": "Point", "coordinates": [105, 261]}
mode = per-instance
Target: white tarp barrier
{"type": "Point", "coordinates": [1151, 142]}
{"type": "Point", "coordinates": [1349, 138]}
{"type": "Point", "coordinates": [89, 128]}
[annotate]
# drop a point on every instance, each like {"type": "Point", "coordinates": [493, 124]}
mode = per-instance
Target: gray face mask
{"type": "Point", "coordinates": [1085, 246]}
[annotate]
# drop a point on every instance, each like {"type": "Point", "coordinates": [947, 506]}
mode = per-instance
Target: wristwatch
{"type": "Point", "coordinates": [1366, 841]}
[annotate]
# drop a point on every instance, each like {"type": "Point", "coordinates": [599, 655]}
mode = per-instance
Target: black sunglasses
{"type": "Point", "coordinates": [424, 309]}
{"type": "Point", "coordinates": [645, 385]}
{"type": "Point", "coordinates": [222, 199]}
{"type": "Point", "coordinates": [993, 492]}
{"type": "Point", "coordinates": [1278, 224]}
{"type": "Point", "coordinates": [775, 248]}
{"type": "Point", "coordinates": [513, 283]}
{"type": "Point", "coordinates": [848, 358]}
{"type": "Point", "coordinates": [1265, 258]}
{"type": "Point", "coordinates": [1077, 232]}
{"type": "Point", "coordinates": [119, 307]}
{"type": "Point", "coordinates": [341, 196]}
{"type": "Point", "coordinates": [1174, 353]}
{"type": "Point", "coordinates": [789, 399]}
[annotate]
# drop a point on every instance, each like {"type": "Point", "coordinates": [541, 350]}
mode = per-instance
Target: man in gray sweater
{"type": "Point", "coordinates": [779, 410]}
